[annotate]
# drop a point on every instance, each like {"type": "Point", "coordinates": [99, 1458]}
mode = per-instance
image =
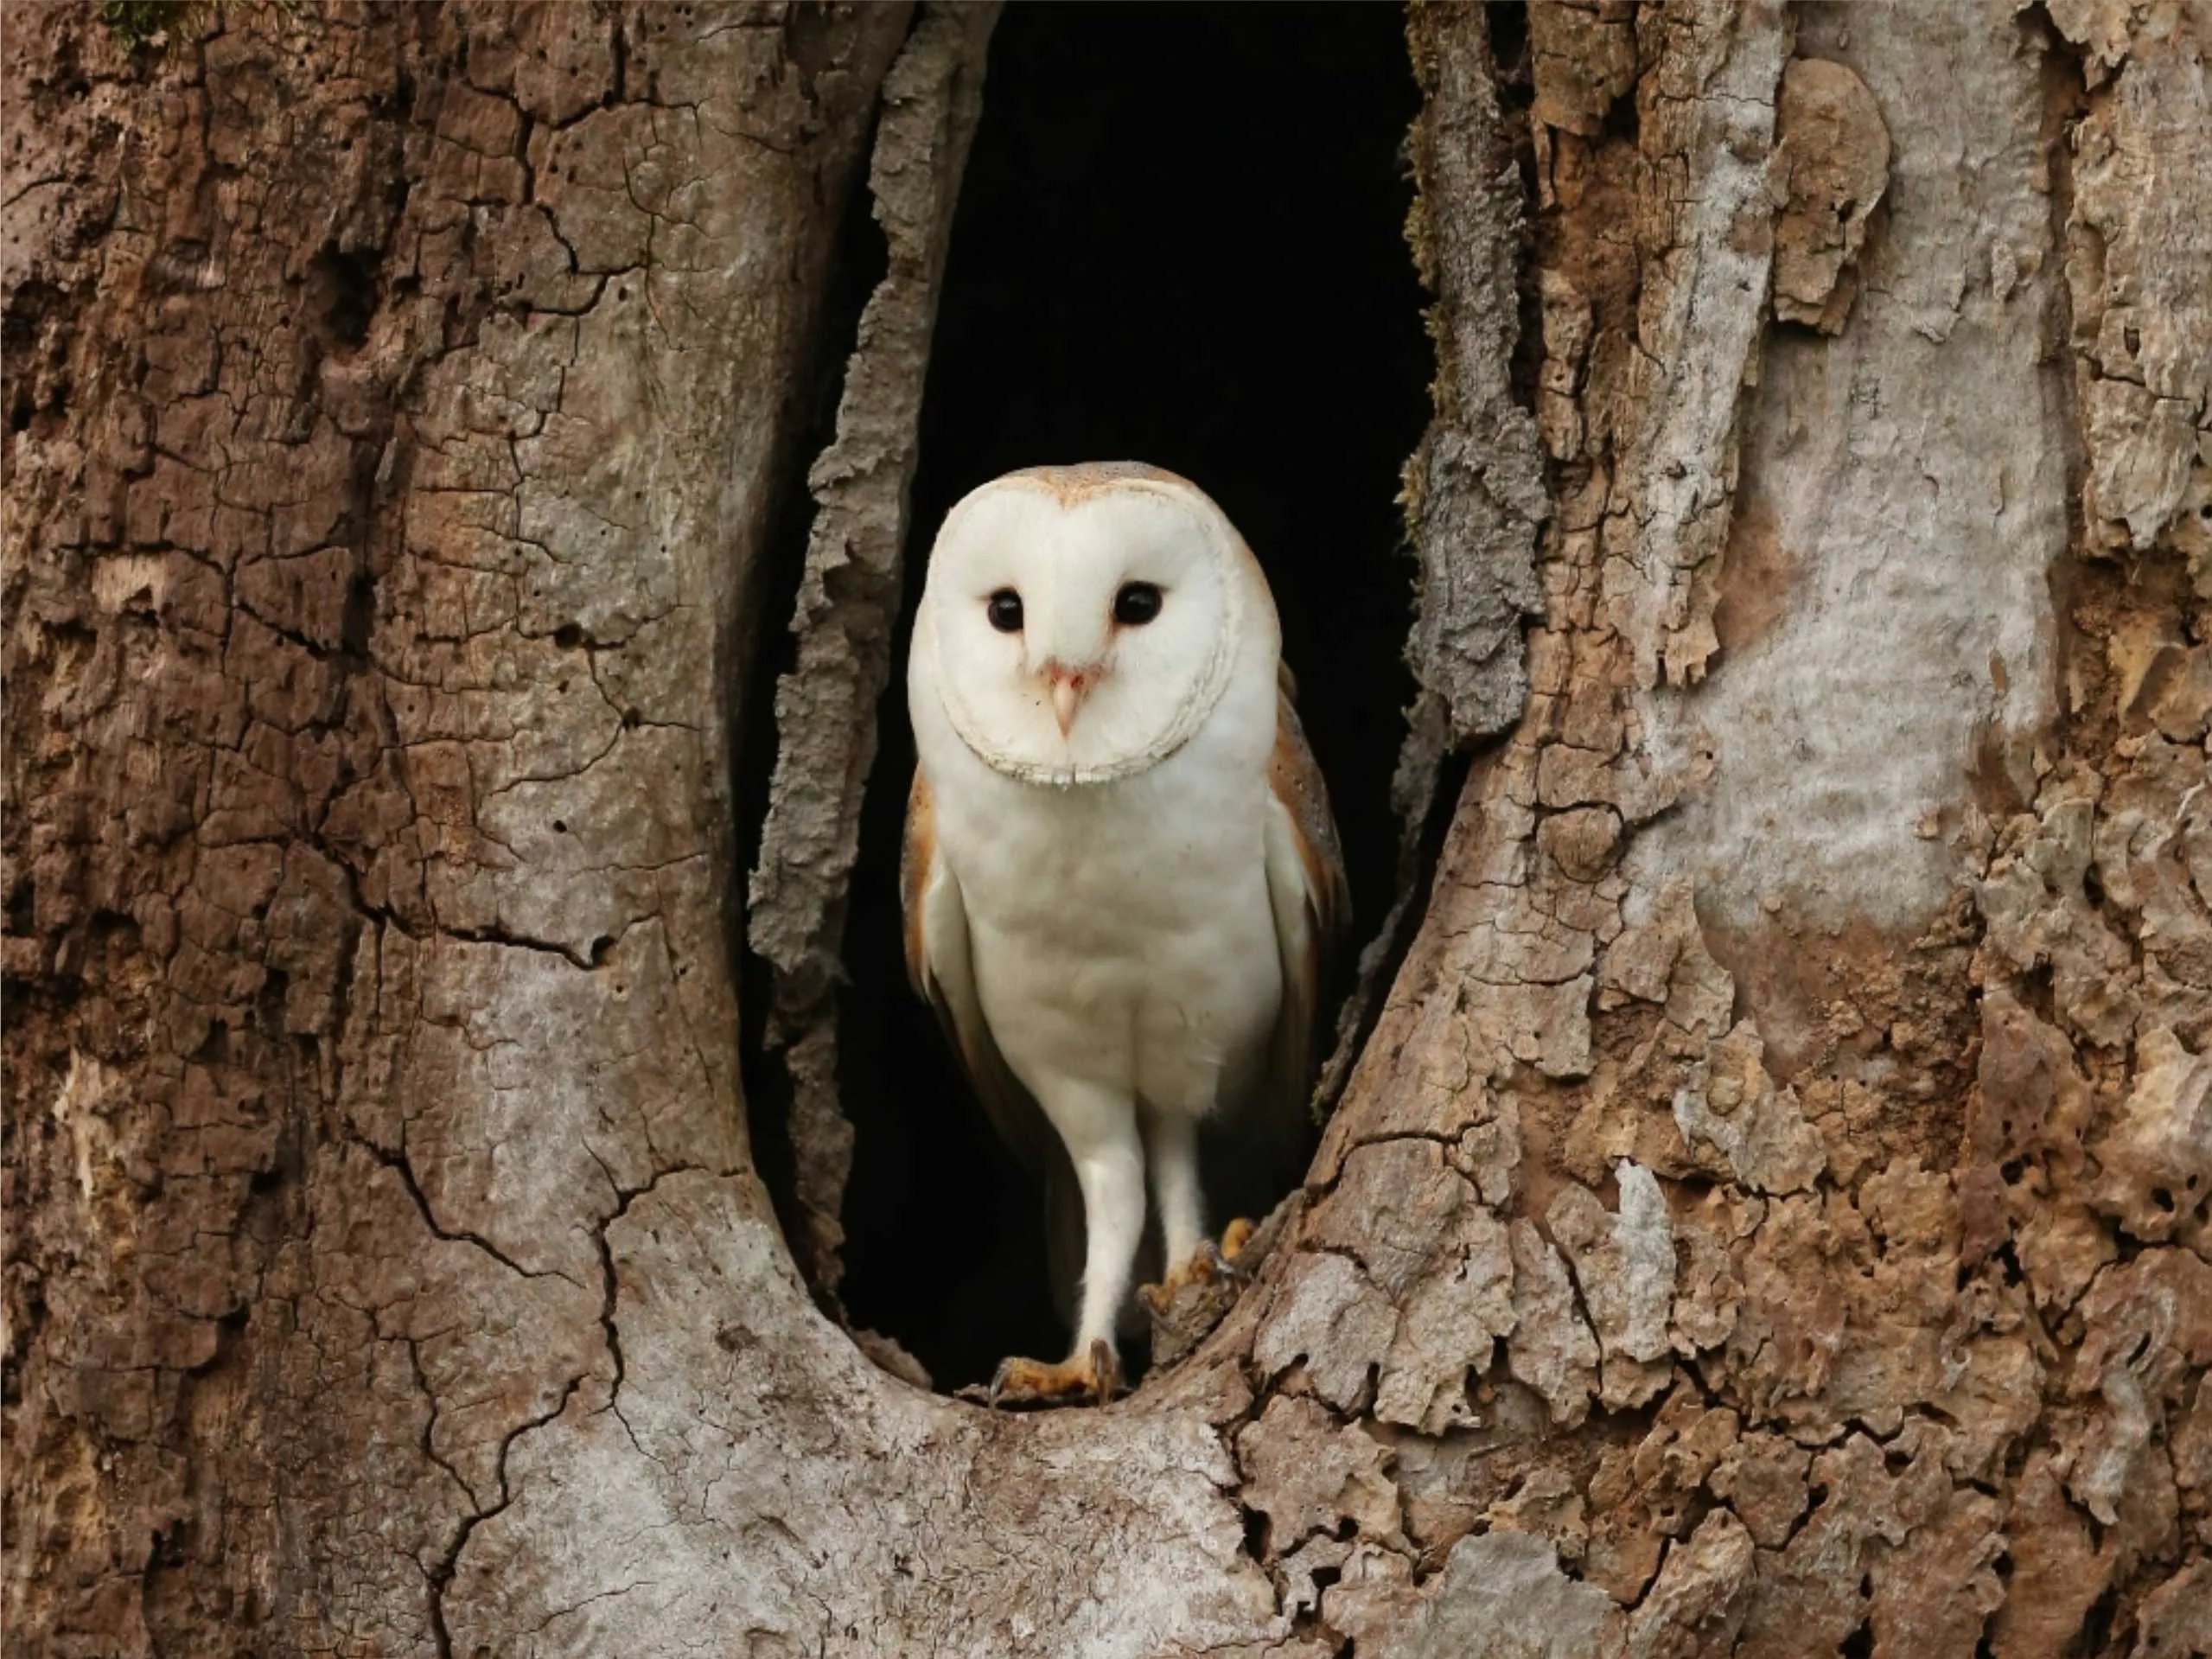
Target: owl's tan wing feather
{"type": "Point", "coordinates": [1311, 902]}
{"type": "Point", "coordinates": [939, 963]}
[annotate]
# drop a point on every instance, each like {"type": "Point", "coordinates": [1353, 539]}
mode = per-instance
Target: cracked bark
{"type": "Point", "coordinates": [1771, 1211]}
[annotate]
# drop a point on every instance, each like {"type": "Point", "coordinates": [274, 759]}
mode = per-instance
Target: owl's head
{"type": "Point", "coordinates": [1080, 623]}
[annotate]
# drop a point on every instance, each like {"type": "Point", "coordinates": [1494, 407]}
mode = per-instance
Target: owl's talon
{"type": "Point", "coordinates": [1094, 1377]}
{"type": "Point", "coordinates": [1208, 1264]}
{"type": "Point", "coordinates": [1204, 1266]}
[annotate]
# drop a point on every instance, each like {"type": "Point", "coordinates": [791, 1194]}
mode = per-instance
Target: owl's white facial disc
{"type": "Point", "coordinates": [1080, 690]}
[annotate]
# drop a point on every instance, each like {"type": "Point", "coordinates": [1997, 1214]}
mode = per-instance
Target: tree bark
{"type": "Point", "coordinates": [1769, 1214]}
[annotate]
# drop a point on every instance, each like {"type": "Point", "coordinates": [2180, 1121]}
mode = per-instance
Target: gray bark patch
{"type": "Point", "coordinates": [849, 602]}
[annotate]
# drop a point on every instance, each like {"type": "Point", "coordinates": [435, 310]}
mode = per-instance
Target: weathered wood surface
{"type": "Point", "coordinates": [1773, 1205]}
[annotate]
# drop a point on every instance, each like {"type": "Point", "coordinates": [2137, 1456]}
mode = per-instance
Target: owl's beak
{"type": "Point", "coordinates": [1070, 687]}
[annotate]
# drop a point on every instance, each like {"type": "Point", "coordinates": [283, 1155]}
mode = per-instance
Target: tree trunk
{"type": "Point", "coordinates": [1768, 1215]}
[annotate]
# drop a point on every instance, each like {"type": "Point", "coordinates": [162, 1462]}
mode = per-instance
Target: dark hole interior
{"type": "Point", "coordinates": [1180, 240]}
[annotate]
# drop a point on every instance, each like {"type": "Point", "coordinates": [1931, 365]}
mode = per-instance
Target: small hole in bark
{"type": "Point", "coordinates": [568, 636]}
{"type": "Point", "coordinates": [2010, 1262]}
{"type": "Point", "coordinates": [215, 1048]}
{"type": "Point", "coordinates": [341, 287]}
{"type": "Point", "coordinates": [359, 616]}
{"type": "Point", "coordinates": [1859, 1644]}
{"type": "Point", "coordinates": [1510, 42]}
{"type": "Point", "coordinates": [1161, 254]}
{"type": "Point", "coordinates": [1255, 1535]}
{"type": "Point", "coordinates": [268, 1012]}
{"type": "Point", "coordinates": [2163, 1198]}
{"type": "Point", "coordinates": [560, 826]}
{"type": "Point", "coordinates": [2096, 1625]}
{"type": "Point", "coordinates": [599, 947]}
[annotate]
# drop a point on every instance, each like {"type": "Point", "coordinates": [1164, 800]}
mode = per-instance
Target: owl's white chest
{"type": "Point", "coordinates": [1122, 933]}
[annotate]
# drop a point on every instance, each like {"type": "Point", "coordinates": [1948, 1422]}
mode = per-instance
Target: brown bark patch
{"type": "Point", "coordinates": [1758, 578]}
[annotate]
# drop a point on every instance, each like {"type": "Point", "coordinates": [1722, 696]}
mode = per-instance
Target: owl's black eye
{"type": "Point", "coordinates": [1135, 604]}
{"type": "Point", "coordinates": [1005, 609]}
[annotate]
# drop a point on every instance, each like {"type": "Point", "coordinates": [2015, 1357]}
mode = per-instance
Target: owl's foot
{"type": "Point", "coordinates": [1209, 1264]}
{"type": "Point", "coordinates": [1195, 1298]}
{"type": "Point", "coordinates": [1093, 1376]}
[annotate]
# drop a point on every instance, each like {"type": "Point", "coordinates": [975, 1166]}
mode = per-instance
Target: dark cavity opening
{"type": "Point", "coordinates": [859, 259]}
{"type": "Point", "coordinates": [1180, 240]}
{"type": "Point", "coordinates": [341, 295]}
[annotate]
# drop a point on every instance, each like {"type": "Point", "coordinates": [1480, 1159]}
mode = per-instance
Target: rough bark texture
{"type": "Point", "coordinates": [849, 602]}
{"type": "Point", "coordinates": [1771, 1214]}
{"type": "Point", "coordinates": [398, 407]}
{"type": "Point", "coordinates": [1475, 491]}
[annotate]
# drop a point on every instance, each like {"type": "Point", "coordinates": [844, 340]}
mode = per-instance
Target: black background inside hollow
{"type": "Point", "coordinates": [1180, 240]}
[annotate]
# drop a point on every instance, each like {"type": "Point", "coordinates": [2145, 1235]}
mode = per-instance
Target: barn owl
{"type": "Point", "coordinates": [1121, 877]}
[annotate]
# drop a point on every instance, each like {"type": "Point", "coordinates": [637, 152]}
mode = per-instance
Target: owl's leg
{"type": "Point", "coordinates": [1110, 1169]}
{"type": "Point", "coordinates": [1194, 1290]}
{"type": "Point", "coordinates": [1171, 1152]}
{"type": "Point", "coordinates": [1171, 1155]}
{"type": "Point", "coordinates": [1100, 1128]}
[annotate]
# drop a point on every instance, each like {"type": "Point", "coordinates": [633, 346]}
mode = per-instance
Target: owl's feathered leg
{"type": "Point", "coordinates": [1200, 1280]}
{"type": "Point", "coordinates": [1099, 1126]}
{"type": "Point", "coordinates": [1171, 1157]}
{"type": "Point", "coordinates": [1192, 1258]}
{"type": "Point", "coordinates": [1110, 1169]}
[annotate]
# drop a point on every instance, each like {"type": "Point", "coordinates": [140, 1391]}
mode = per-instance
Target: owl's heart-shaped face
{"type": "Point", "coordinates": [1082, 621]}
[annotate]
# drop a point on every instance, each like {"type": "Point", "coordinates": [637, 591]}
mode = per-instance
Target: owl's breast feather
{"type": "Point", "coordinates": [1120, 930]}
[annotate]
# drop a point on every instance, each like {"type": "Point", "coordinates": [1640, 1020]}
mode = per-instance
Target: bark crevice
{"type": "Point", "coordinates": [847, 606]}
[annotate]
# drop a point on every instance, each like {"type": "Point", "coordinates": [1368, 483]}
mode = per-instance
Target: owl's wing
{"type": "Point", "coordinates": [943, 973]}
{"type": "Point", "coordinates": [939, 962]}
{"type": "Point", "coordinates": [1311, 902]}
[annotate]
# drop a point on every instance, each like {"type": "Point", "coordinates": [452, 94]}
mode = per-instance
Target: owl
{"type": "Point", "coordinates": [1121, 879]}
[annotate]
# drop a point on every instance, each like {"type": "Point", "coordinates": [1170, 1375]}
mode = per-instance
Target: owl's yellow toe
{"type": "Point", "coordinates": [1235, 1236]}
{"type": "Point", "coordinates": [1093, 1376]}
